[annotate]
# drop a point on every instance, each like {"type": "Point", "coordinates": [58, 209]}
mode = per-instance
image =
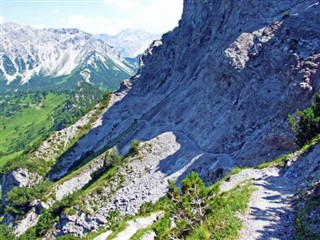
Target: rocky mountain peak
{"type": "Point", "coordinates": [33, 54]}
{"type": "Point", "coordinates": [129, 42]}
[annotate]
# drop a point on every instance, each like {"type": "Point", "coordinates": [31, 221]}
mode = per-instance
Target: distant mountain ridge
{"type": "Point", "coordinates": [130, 42]}
{"type": "Point", "coordinates": [48, 57]}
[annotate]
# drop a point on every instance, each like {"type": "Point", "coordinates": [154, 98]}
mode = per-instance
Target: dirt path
{"type": "Point", "coordinates": [270, 215]}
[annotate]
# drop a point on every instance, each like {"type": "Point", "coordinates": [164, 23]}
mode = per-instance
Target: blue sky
{"type": "Point", "coordinates": [102, 16]}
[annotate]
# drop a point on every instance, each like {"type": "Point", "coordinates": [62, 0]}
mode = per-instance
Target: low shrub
{"type": "Point", "coordinates": [20, 196]}
{"type": "Point", "coordinates": [134, 147]}
{"type": "Point", "coordinates": [196, 211]}
{"type": "Point", "coordinates": [306, 123]}
{"type": "Point", "coordinates": [45, 222]}
{"type": "Point", "coordinates": [6, 233]}
{"type": "Point", "coordinates": [68, 237]}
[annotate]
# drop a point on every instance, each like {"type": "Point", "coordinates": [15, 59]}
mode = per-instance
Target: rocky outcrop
{"type": "Point", "coordinates": [128, 189]}
{"type": "Point", "coordinates": [305, 170]}
{"type": "Point", "coordinates": [79, 180]}
{"type": "Point", "coordinates": [79, 224]}
{"type": "Point", "coordinates": [28, 221]}
{"type": "Point", "coordinates": [21, 178]}
{"type": "Point", "coordinates": [141, 178]}
{"type": "Point", "coordinates": [18, 178]}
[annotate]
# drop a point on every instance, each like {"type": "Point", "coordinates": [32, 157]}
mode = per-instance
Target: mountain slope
{"type": "Point", "coordinates": [213, 94]}
{"type": "Point", "coordinates": [33, 58]}
{"type": "Point", "coordinates": [249, 78]}
{"type": "Point", "coordinates": [129, 42]}
{"type": "Point", "coordinates": [26, 119]}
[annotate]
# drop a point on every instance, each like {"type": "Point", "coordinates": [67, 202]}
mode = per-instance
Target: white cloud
{"type": "Point", "coordinates": [160, 13]}
{"type": "Point", "coordinates": [152, 15]}
{"type": "Point", "coordinates": [1, 19]}
{"type": "Point", "coordinates": [123, 5]}
{"type": "Point", "coordinates": [39, 26]}
{"type": "Point", "coordinates": [156, 16]}
{"type": "Point", "coordinates": [80, 20]}
{"type": "Point", "coordinates": [89, 24]}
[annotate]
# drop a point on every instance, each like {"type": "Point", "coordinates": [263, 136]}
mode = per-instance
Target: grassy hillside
{"type": "Point", "coordinates": [27, 118]}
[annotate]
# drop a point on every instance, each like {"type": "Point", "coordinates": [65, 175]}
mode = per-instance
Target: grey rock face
{"type": "Point", "coordinates": [226, 78]}
{"type": "Point", "coordinates": [78, 181]}
{"type": "Point", "coordinates": [222, 84]}
{"type": "Point", "coordinates": [305, 170]}
{"type": "Point", "coordinates": [21, 178]}
{"type": "Point", "coordinates": [28, 221]}
{"type": "Point", "coordinates": [79, 224]}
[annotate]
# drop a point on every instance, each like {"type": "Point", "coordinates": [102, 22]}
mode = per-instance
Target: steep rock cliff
{"type": "Point", "coordinates": [225, 79]}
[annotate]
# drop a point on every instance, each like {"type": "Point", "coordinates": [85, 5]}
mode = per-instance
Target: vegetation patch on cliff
{"type": "Point", "coordinates": [306, 123]}
{"type": "Point", "coordinates": [195, 211]}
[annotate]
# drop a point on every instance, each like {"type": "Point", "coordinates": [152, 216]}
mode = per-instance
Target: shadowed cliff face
{"type": "Point", "coordinates": [225, 79]}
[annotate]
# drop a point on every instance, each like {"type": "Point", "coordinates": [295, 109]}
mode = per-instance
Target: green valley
{"type": "Point", "coordinates": [27, 118]}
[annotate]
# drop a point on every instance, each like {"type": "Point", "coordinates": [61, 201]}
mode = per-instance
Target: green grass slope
{"type": "Point", "coordinates": [27, 118]}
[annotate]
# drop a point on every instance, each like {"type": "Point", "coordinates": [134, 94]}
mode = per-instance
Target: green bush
{"type": "Point", "coordinates": [66, 202]}
{"type": "Point", "coordinates": [70, 211]}
{"type": "Point", "coordinates": [146, 208]}
{"type": "Point", "coordinates": [285, 15]}
{"type": "Point", "coordinates": [6, 233]}
{"type": "Point", "coordinates": [20, 196]}
{"type": "Point", "coordinates": [134, 147]}
{"type": "Point", "coordinates": [198, 211]}
{"type": "Point", "coordinates": [1, 208]}
{"type": "Point", "coordinates": [162, 228]}
{"type": "Point", "coordinates": [14, 211]}
{"type": "Point", "coordinates": [192, 203]}
{"type": "Point", "coordinates": [68, 237]}
{"type": "Point", "coordinates": [114, 218]}
{"type": "Point", "coordinates": [30, 234]}
{"type": "Point", "coordinates": [45, 222]}
{"type": "Point", "coordinates": [306, 123]}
